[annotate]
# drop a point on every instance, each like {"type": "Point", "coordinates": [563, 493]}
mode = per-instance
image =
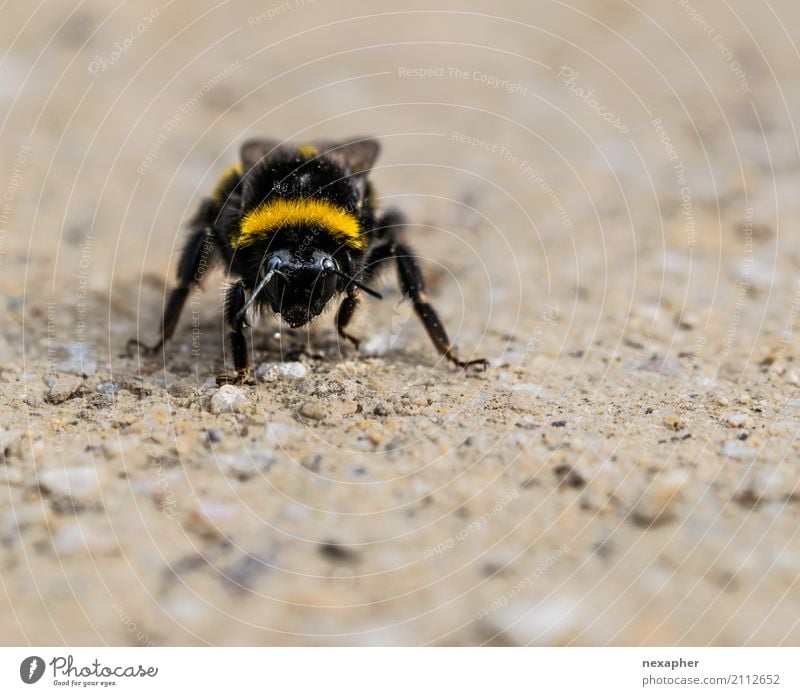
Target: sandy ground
{"type": "Point", "coordinates": [604, 196]}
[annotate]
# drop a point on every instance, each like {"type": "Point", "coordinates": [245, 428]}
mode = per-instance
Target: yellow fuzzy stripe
{"type": "Point", "coordinates": [222, 182]}
{"type": "Point", "coordinates": [270, 216]}
{"type": "Point", "coordinates": [308, 151]}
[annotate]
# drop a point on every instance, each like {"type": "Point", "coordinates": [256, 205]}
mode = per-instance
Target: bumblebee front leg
{"type": "Point", "coordinates": [194, 262]}
{"type": "Point", "coordinates": [346, 310]}
{"type": "Point", "coordinates": [376, 258]}
{"type": "Point", "coordinates": [235, 300]}
{"type": "Point", "coordinates": [413, 286]}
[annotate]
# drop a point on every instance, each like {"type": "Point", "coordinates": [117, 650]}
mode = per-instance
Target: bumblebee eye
{"type": "Point", "coordinates": [328, 264]}
{"type": "Point", "coordinates": [273, 264]}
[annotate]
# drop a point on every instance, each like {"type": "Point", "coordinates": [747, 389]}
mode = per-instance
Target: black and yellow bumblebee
{"type": "Point", "coordinates": [298, 225]}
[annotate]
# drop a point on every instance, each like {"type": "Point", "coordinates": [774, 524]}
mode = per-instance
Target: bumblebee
{"type": "Point", "coordinates": [298, 226]}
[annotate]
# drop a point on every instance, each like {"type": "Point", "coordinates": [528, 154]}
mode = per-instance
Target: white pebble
{"type": "Point", "coordinates": [271, 372]}
{"type": "Point", "coordinates": [229, 399]}
{"type": "Point", "coordinates": [76, 482]}
{"type": "Point", "coordinates": [73, 538]}
{"type": "Point", "coordinates": [735, 449]}
{"type": "Point", "coordinates": [534, 389]}
{"type": "Point", "coordinates": [739, 420]}
{"type": "Point", "coordinates": [552, 622]}
{"type": "Point", "coordinates": [282, 434]}
{"type": "Point", "coordinates": [9, 437]}
{"type": "Point", "coordinates": [246, 463]}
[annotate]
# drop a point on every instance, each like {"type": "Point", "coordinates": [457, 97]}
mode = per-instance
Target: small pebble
{"type": "Point", "coordinates": [283, 435]}
{"type": "Point", "coordinates": [759, 487]}
{"type": "Point", "coordinates": [180, 390]}
{"type": "Point", "coordinates": [75, 538]}
{"type": "Point", "coordinates": [738, 450]}
{"type": "Point", "coordinates": [271, 372]}
{"type": "Point", "coordinates": [211, 519]}
{"type": "Point", "coordinates": [348, 407]}
{"type": "Point", "coordinates": [79, 482]}
{"type": "Point", "coordinates": [524, 621]}
{"type": "Point", "coordinates": [334, 551]}
{"type": "Point", "coordinates": [569, 477]}
{"type": "Point", "coordinates": [661, 496]}
{"type": "Point", "coordinates": [79, 360]}
{"type": "Point", "coordinates": [738, 420]}
{"type": "Point", "coordinates": [32, 400]}
{"type": "Point", "coordinates": [674, 422]}
{"type": "Point", "coordinates": [244, 465]}
{"type": "Point", "coordinates": [229, 399]}
{"type": "Point", "coordinates": [534, 389]}
{"type": "Point", "coordinates": [9, 438]}
{"type": "Point", "coordinates": [315, 409]}
{"type": "Point", "coordinates": [61, 389]}
{"type": "Point", "coordinates": [11, 476]}
{"type": "Point", "coordinates": [383, 409]}
{"type": "Point", "coordinates": [21, 518]}
{"type": "Point", "coordinates": [212, 435]}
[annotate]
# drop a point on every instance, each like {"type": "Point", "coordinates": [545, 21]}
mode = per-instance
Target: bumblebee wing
{"type": "Point", "coordinates": [356, 154]}
{"type": "Point", "coordinates": [256, 149]}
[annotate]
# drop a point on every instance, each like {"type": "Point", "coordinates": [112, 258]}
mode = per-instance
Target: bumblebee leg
{"type": "Point", "coordinates": [376, 257]}
{"type": "Point", "coordinates": [413, 286]}
{"type": "Point", "coordinates": [234, 301]}
{"type": "Point", "coordinates": [194, 262]}
{"type": "Point", "coordinates": [346, 310]}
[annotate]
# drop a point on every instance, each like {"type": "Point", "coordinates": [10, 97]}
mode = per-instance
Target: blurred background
{"type": "Point", "coordinates": [604, 197]}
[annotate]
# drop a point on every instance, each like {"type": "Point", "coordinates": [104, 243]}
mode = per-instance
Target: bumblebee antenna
{"type": "Point", "coordinates": [357, 283]}
{"type": "Point", "coordinates": [254, 294]}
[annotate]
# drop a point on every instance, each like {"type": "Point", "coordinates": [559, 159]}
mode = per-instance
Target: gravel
{"type": "Point", "coordinates": [590, 488]}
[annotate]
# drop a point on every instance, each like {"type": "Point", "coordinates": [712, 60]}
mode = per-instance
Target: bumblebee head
{"type": "Point", "coordinates": [298, 283]}
{"type": "Point", "coordinates": [298, 286]}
